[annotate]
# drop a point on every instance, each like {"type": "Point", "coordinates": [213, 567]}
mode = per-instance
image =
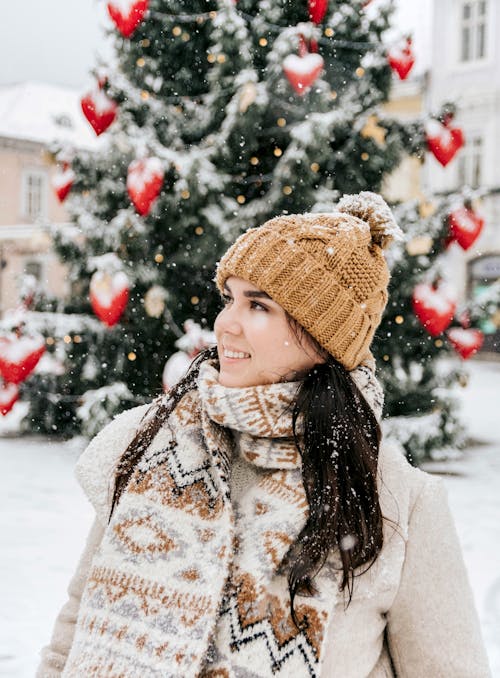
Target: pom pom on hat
{"type": "Point", "coordinates": [372, 209]}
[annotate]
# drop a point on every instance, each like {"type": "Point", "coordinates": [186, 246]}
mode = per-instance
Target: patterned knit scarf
{"type": "Point", "coordinates": [179, 587]}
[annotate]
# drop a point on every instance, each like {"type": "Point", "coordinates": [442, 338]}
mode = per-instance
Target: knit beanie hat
{"type": "Point", "coordinates": [327, 270]}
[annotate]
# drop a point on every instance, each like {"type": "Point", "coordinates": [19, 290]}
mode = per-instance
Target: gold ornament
{"type": "Point", "coordinates": [154, 301]}
{"type": "Point", "coordinates": [372, 130]}
{"type": "Point", "coordinates": [463, 380]}
{"type": "Point", "coordinates": [420, 244]}
{"type": "Point", "coordinates": [247, 96]}
{"type": "Point", "coordinates": [426, 209]}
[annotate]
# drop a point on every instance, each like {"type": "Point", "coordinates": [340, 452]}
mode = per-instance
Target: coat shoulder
{"type": "Point", "coordinates": [95, 466]}
{"type": "Point", "coordinates": [401, 484]}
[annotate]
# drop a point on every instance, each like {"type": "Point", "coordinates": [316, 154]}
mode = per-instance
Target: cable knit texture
{"type": "Point", "coordinates": [185, 579]}
{"type": "Point", "coordinates": [327, 271]}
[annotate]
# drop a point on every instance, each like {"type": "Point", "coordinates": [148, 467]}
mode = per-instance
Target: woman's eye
{"type": "Point", "coordinates": [257, 306]}
{"type": "Point", "coordinates": [226, 300]}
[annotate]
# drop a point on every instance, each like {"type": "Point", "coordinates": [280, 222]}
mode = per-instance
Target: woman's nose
{"type": "Point", "coordinates": [228, 321]}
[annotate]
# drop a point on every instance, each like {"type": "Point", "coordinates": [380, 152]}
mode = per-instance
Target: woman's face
{"type": "Point", "coordinates": [255, 342]}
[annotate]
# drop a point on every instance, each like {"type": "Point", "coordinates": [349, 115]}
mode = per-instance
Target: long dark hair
{"type": "Point", "coordinates": [339, 445]}
{"type": "Point", "coordinates": [338, 438]}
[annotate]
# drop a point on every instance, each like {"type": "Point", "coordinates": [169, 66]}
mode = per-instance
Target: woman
{"type": "Point", "coordinates": [250, 523]}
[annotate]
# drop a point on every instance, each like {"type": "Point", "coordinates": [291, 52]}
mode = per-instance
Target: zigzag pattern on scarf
{"type": "Point", "coordinates": [183, 478]}
{"type": "Point", "coordinates": [279, 653]}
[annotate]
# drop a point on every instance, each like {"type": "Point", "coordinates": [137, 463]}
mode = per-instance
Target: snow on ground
{"type": "Point", "coordinates": [44, 519]}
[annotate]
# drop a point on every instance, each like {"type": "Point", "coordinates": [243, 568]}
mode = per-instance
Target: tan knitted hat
{"type": "Point", "coordinates": [326, 270]}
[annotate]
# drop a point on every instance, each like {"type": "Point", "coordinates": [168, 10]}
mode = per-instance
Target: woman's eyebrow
{"type": "Point", "coordinates": [250, 294]}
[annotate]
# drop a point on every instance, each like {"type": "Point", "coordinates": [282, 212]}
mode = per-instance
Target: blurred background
{"type": "Point", "coordinates": [138, 138]}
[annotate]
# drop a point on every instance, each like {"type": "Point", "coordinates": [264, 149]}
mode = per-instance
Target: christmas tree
{"type": "Point", "coordinates": [217, 116]}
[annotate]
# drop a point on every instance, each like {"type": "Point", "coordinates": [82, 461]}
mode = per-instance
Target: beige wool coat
{"type": "Point", "coordinates": [411, 616]}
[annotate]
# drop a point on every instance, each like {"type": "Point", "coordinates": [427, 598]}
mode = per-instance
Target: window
{"type": "Point", "coordinates": [34, 268]}
{"type": "Point", "coordinates": [470, 161]}
{"type": "Point", "coordinates": [473, 30]}
{"type": "Point", "coordinates": [34, 199]}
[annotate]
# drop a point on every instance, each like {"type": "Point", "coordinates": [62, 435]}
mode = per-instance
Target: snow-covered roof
{"type": "Point", "coordinates": [35, 111]}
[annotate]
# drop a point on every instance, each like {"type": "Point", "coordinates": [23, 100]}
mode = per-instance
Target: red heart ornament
{"type": "Point", "coordinates": [302, 71]}
{"type": "Point", "coordinates": [109, 296]}
{"type": "Point", "coordinates": [317, 10]}
{"type": "Point", "coordinates": [401, 59]}
{"type": "Point", "coordinates": [434, 307]}
{"type": "Point", "coordinates": [466, 342]}
{"type": "Point", "coordinates": [63, 181]}
{"type": "Point", "coordinates": [99, 110]}
{"type": "Point", "coordinates": [19, 356]}
{"type": "Point", "coordinates": [465, 226]}
{"type": "Point", "coordinates": [9, 395]}
{"type": "Point", "coordinates": [127, 14]}
{"type": "Point", "coordinates": [443, 141]}
{"type": "Point", "coordinates": [144, 182]}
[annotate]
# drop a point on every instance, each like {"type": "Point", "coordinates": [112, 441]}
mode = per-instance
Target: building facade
{"type": "Point", "coordinates": [465, 69]}
{"type": "Point", "coordinates": [32, 117]}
